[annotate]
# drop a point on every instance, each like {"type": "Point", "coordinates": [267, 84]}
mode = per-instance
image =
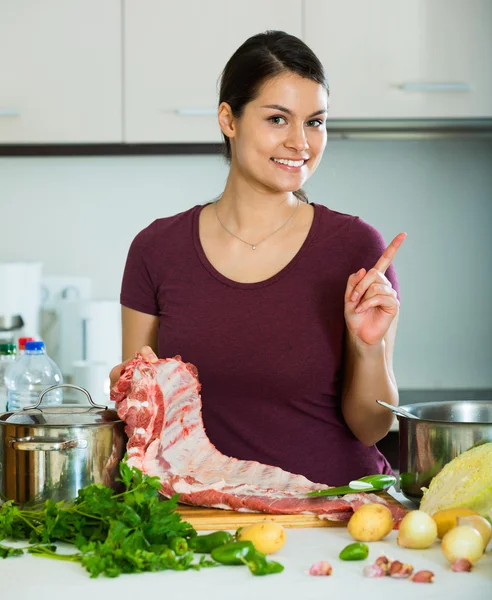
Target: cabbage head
{"type": "Point", "coordinates": [465, 482]}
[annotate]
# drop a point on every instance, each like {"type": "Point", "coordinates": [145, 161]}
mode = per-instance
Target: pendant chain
{"type": "Point", "coordinates": [254, 246]}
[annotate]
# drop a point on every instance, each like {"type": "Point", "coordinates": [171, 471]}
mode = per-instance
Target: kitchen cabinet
{"type": "Point", "coordinates": [174, 54]}
{"type": "Point", "coordinates": [411, 59]}
{"type": "Point", "coordinates": [60, 71]}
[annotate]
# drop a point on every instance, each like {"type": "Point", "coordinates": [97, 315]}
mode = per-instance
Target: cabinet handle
{"type": "Point", "coordinates": [196, 112]}
{"type": "Point", "coordinates": [9, 112]}
{"type": "Point", "coordinates": [434, 87]}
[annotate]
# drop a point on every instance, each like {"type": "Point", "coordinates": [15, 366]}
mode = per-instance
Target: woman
{"type": "Point", "coordinates": [287, 309]}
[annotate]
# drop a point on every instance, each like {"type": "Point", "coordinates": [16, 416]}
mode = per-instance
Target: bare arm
{"type": "Point", "coordinates": [139, 333]}
{"type": "Point", "coordinates": [371, 317]}
{"type": "Point", "coordinates": [369, 376]}
{"type": "Point", "coordinates": [138, 330]}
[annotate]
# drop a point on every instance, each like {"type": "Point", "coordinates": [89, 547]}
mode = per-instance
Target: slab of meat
{"type": "Point", "coordinates": [161, 406]}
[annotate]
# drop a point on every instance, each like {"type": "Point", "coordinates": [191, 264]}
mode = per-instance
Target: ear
{"type": "Point", "coordinates": [226, 120]}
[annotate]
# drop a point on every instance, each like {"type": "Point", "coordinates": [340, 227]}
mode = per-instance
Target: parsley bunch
{"type": "Point", "coordinates": [128, 532]}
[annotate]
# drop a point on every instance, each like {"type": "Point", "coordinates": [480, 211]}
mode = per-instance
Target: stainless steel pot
{"type": "Point", "coordinates": [441, 431]}
{"type": "Point", "coordinates": [53, 451]}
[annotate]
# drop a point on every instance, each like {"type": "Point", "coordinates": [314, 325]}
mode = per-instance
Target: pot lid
{"type": "Point", "coordinates": [64, 415]}
{"type": "Point", "coordinates": [60, 416]}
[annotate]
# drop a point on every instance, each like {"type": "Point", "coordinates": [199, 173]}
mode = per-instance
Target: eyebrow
{"type": "Point", "coordinates": [289, 112]}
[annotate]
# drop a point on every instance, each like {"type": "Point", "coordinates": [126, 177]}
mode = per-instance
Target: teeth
{"type": "Point", "coordinates": [290, 163]}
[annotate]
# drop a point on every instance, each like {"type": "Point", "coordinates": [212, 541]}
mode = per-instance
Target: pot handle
{"type": "Point", "coordinates": [49, 445]}
{"type": "Point", "coordinates": [397, 410]}
{"type": "Point", "coordinates": [64, 385]}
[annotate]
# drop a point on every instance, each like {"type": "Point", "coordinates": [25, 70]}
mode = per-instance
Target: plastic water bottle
{"type": "Point", "coordinates": [29, 376]}
{"type": "Point", "coordinates": [7, 357]}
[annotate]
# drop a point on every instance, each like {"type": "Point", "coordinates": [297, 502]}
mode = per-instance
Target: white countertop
{"type": "Point", "coordinates": [28, 578]}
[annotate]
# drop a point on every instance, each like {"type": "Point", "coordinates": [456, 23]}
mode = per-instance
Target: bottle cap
{"type": "Point", "coordinates": [7, 349]}
{"type": "Point", "coordinates": [34, 346]}
{"type": "Point", "coordinates": [21, 342]}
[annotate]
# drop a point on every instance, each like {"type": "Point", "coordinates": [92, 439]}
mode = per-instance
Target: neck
{"type": "Point", "coordinates": [253, 212]}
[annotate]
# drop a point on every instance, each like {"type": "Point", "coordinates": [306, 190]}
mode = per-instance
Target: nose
{"type": "Point", "coordinates": [297, 139]}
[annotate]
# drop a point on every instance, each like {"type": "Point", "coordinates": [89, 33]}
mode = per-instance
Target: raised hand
{"type": "Point", "coordinates": [370, 300]}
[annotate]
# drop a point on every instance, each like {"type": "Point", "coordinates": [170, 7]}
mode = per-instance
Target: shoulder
{"type": "Point", "coordinates": [166, 229]}
{"type": "Point", "coordinates": [351, 228]}
{"type": "Point", "coordinates": [350, 241]}
{"type": "Point", "coordinates": [367, 235]}
{"type": "Point", "coordinates": [333, 224]}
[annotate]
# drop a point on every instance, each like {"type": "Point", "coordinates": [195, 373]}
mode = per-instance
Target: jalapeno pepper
{"type": "Point", "coordinates": [234, 553]}
{"type": "Point", "coordinates": [355, 551]}
{"type": "Point", "coordinates": [206, 543]}
{"type": "Point", "coordinates": [259, 565]}
{"type": "Point", "coordinates": [178, 545]}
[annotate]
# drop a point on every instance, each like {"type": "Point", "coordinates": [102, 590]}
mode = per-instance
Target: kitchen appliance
{"type": "Point", "coordinates": [89, 343]}
{"type": "Point", "coordinates": [441, 431]}
{"type": "Point", "coordinates": [52, 452]}
{"type": "Point", "coordinates": [93, 376]}
{"type": "Point", "coordinates": [20, 300]}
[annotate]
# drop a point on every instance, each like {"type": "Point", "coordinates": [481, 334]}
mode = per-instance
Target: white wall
{"type": "Point", "coordinates": [78, 216]}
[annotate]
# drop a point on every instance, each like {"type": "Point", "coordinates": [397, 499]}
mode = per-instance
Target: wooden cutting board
{"type": "Point", "coordinates": [214, 518]}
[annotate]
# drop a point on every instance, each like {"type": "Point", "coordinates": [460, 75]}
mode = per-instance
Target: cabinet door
{"type": "Point", "coordinates": [60, 71]}
{"type": "Point", "coordinates": [174, 55]}
{"type": "Point", "coordinates": [404, 59]}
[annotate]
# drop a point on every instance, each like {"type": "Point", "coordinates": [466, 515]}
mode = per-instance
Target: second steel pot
{"type": "Point", "coordinates": [441, 431]}
{"type": "Point", "coordinates": [53, 451]}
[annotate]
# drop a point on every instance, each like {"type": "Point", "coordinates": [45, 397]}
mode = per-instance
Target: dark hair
{"type": "Point", "coordinates": [260, 58]}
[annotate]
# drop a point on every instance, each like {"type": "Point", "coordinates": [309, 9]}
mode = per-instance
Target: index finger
{"type": "Point", "coordinates": [389, 254]}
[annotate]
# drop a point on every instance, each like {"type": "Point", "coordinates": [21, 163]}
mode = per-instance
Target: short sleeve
{"type": "Point", "coordinates": [370, 245]}
{"type": "Point", "coordinates": [137, 289]}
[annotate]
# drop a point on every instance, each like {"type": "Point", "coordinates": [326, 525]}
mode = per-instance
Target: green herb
{"type": "Point", "coordinates": [130, 532]}
{"type": "Point", "coordinates": [6, 551]}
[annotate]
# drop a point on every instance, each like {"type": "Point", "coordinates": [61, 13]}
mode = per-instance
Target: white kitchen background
{"type": "Point", "coordinates": [78, 214]}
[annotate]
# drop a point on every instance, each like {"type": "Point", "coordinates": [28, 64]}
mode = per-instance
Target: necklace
{"type": "Point", "coordinates": [253, 246]}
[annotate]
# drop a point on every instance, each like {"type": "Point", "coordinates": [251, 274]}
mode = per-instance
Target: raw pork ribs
{"type": "Point", "coordinates": [161, 405]}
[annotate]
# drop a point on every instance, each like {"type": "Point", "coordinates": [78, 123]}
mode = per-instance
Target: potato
{"type": "Point", "coordinates": [267, 536]}
{"type": "Point", "coordinates": [370, 522]}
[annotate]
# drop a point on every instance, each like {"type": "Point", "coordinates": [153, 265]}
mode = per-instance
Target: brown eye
{"type": "Point", "coordinates": [277, 120]}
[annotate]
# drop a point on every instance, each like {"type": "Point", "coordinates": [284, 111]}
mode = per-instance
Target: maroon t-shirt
{"type": "Point", "coordinates": [269, 354]}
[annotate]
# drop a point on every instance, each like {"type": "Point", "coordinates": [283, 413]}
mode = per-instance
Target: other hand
{"type": "Point", "coordinates": [145, 351]}
{"type": "Point", "coordinates": [371, 303]}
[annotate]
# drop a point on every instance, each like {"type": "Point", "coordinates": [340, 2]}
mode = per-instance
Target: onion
{"type": "Point", "coordinates": [483, 527]}
{"type": "Point", "coordinates": [417, 530]}
{"type": "Point", "coordinates": [462, 542]}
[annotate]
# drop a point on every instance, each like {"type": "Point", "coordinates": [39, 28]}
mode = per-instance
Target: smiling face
{"type": "Point", "coordinates": [279, 140]}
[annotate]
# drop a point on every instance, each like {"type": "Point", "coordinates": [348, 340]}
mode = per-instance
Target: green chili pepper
{"type": "Point", "coordinates": [179, 545]}
{"type": "Point", "coordinates": [355, 551]}
{"type": "Point", "coordinates": [259, 565]}
{"type": "Point", "coordinates": [206, 543]}
{"type": "Point", "coordinates": [380, 481]}
{"type": "Point", "coordinates": [234, 553]}
{"type": "Point", "coordinates": [377, 483]}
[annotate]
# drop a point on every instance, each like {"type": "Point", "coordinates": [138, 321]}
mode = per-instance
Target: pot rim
{"type": "Point", "coordinates": [59, 425]}
{"type": "Point", "coordinates": [437, 403]}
